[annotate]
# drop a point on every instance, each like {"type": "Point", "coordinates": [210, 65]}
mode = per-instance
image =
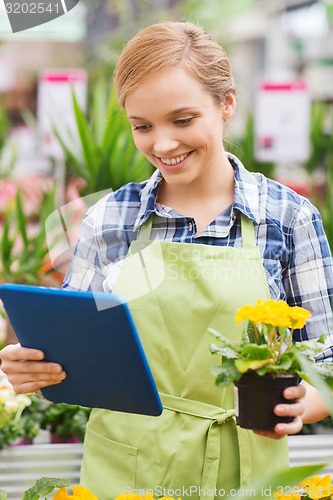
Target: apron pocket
{"type": "Point", "coordinates": [108, 467]}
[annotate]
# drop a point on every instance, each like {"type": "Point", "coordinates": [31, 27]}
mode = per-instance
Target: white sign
{"type": "Point", "coordinates": [55, 106]}
{"type": "Point", "coordinates": [282, 122]}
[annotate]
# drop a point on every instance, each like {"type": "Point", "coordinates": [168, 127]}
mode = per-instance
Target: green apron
{"type": "Point", "coordinates": [176, 291]}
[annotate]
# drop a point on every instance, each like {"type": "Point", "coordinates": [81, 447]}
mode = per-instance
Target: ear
{"type": "Point", "coordinates": [229, 106]}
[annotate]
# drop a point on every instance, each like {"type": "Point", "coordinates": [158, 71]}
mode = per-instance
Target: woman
{"type": "Point", "coordinates": [219, 237]}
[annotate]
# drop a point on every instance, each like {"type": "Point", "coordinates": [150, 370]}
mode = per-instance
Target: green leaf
{"type": "Point", "coordinates": [256, 352]}
{"type": "Point", "coordinates": [243, 365]}
{"type": "Point", "coordinates": [3, 495]}
{"type": "Point", "coordinates": [250, 332]}
{"type": "Point", "coordinates": [315, 379]}
{"type": "Point", "coordinates": [225, 342]}
{"type": "Point", "coordinates": [21, 219]}
{"type": "Point", "coordinates": [325, 370]}
{"type": "Point", "coordinates": [226, 373]}
{"type": "Point", "coordinates": [285, 362]}
{"type": "Point", "coordinates": [85, 135]}
{"type": "Point", "coordinates": [224, 351]}
{"type": "Point", "coordinates": [44, 486]}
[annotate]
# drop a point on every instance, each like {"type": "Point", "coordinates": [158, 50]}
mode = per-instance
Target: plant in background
{"type": "Point", "coordinates": [65, 421]}
{"type": "Point", "coordinates": [23, 248]}
{"type": "Point", "coordinates": [267, 351]}
{"type": "Point", "coordinates": [103, 153]}
{"type": "Point", "coordinates": [12, 406]}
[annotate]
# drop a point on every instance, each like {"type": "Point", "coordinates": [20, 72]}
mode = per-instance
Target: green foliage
{"type": "Point", "coordinates": [24, 424]}
{"type": "Point", "coordinates": [31, 418]}
{"type": "Point", "coordinates": [23, 253]}
{"type": "Point", "coordinates": [66, 420]}
{"type": "Point", "coordinates": [43, 487]}
{"type": "Point", "coordinates": [104, 153]}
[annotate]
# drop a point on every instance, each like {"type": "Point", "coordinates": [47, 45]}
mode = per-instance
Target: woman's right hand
{"type": "Point", "coordinates": [26, 371]}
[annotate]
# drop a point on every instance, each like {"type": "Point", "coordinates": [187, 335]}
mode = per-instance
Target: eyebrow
{"type": "Point", "coordinates": [173, 112]}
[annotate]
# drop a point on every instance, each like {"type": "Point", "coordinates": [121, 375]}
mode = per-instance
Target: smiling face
{"type": "Point", "coordinates": [178, 126]}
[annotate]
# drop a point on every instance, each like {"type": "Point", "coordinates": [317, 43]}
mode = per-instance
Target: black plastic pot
{"type": "Point", "coordinates": [256, 397]}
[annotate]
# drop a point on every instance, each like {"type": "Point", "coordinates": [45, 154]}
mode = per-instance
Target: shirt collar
{"type": "Point", "coordinates": [246, 190]}
{"type": "Point", "coordinates": [246, 194]}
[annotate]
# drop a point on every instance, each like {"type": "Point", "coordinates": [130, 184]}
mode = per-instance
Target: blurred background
{"type": "Point", "coordinates": [63, 139]}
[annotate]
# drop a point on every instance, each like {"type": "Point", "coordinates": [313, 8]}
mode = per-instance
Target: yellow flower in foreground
{"type": "Point", "coordinates": [274, 313]}
{"type": "Point", "coordinates": [299, 316]}
{"type": "Point", "coordinates": [79, 493]}
{"type": "Point", "coordinates": [317, 487]}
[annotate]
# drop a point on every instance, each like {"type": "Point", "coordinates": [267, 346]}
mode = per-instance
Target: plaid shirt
{"type": "Point", "coordinates": [289, 233]}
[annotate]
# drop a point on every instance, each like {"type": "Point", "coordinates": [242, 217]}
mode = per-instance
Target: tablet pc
{"type": "Point", "coordinates": [100, 350]}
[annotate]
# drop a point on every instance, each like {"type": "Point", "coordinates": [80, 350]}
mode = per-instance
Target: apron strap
{"type": "Point", "coordinates": [217, 416]}
{"type": "Point", "coordinates": [248, 236]}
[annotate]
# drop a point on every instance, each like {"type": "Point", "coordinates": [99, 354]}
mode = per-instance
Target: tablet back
{"type": "Point", "coordinates": [100, 350]}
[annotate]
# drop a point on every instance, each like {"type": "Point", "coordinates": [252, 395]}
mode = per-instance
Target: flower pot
{"type": "Point", "coordinates": [256, 397]}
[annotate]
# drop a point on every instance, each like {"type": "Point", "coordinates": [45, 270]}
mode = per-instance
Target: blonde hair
{"type": "Point", "coordinates": [166, 45]}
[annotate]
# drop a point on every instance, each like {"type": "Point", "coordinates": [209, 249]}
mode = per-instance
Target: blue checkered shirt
{"type": "Point", "coordinates": [289, 233]}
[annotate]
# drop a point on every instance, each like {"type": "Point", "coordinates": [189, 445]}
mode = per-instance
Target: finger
{"type": "Point", "coordinates": [293, 428]}
{"type": "Point", "coordinates": [27, 382]}
{"type": "Point", "coordinates": [294, 392]}
{"type": "Point", "coordinates": [30, 387]}
{"type": "Point", "coordinates": [29, 367]}
{"type": "Point", "coordinates": [290, 410]}
{"type": "Point", "coordinates": [18, 353]}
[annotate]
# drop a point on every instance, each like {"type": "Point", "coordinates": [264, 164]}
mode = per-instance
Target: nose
{"type": "Point", "coordinates": [164, 143]}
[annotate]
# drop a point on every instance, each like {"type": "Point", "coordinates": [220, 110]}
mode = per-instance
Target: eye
{"type": "Point", "coordinates": [141, 128]}
{"type": "Point", "coordinates": [184, 121]}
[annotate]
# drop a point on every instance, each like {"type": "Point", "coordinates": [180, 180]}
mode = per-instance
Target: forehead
{"type": "Point", "coordinates": [173, 88]}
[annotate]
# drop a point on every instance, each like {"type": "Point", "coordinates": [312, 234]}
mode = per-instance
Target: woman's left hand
{"type": "Point", "coordinates": [295, 410]}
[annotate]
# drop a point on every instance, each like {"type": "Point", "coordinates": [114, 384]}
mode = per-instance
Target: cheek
{"type": "Point", "coordinates": [141, 142]}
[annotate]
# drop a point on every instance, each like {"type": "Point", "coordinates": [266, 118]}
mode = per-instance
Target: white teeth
{"type": "Point", "coordinates": [174, 161]}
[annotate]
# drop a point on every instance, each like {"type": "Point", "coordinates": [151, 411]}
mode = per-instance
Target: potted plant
{"type": "Point", "coordinates": [267, 360]}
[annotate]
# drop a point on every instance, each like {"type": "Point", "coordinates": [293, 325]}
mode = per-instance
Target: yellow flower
{"type": "Point", "coordinates": [83, 493]}
{"type": "Point", "coordinates": [61, 494]}
{"type": "Point", "coordinates": [317, 487]}
{"type": "Point", "coordinates": [79, 493]}
{"type": "Point", "coordinates": [274, 313]}
{"type": "Point", "coordinates": [299, 316]}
